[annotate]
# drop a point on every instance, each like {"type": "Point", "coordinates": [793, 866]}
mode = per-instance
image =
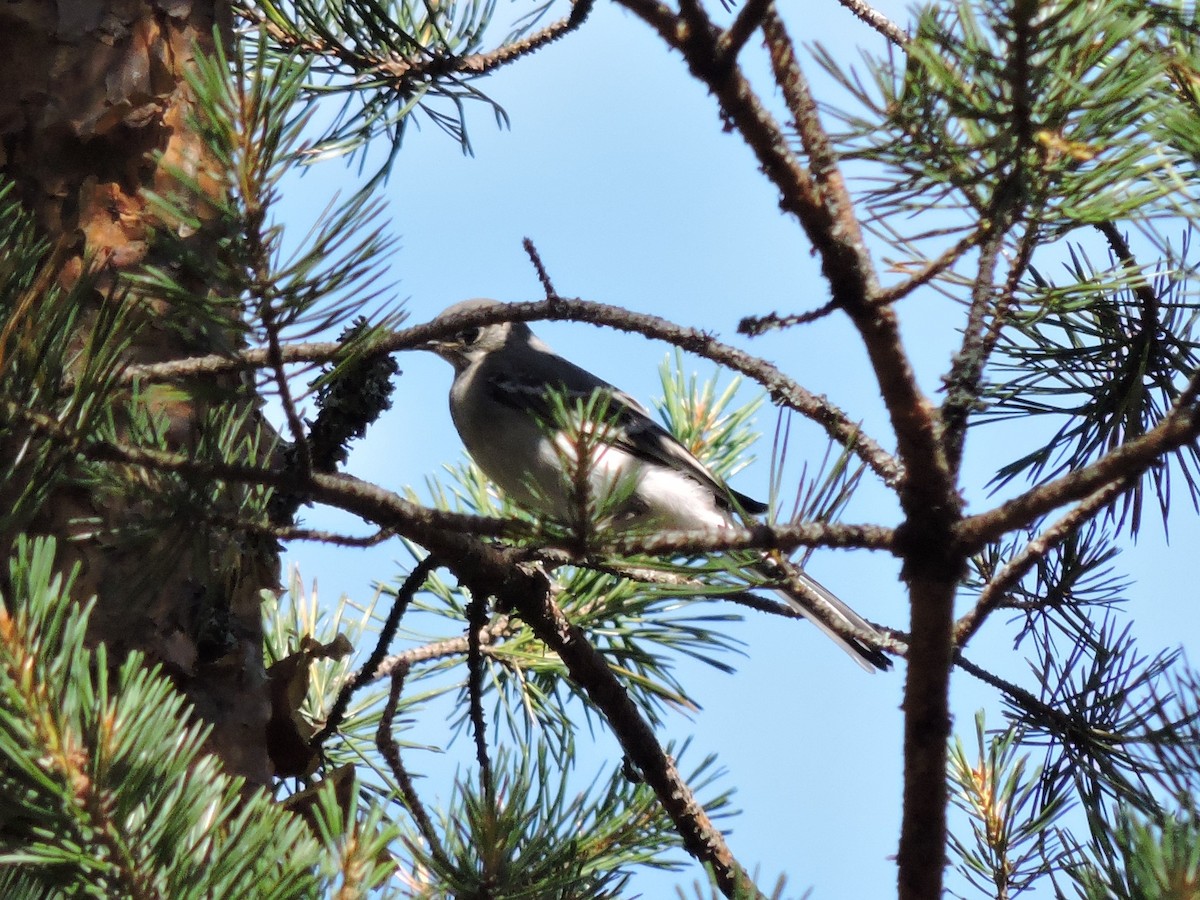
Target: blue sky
{"type": "Point", "coordinates": [617, 167]}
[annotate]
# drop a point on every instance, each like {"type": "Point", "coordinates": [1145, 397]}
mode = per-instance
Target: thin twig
{"type": "Point", "coordinates": [48, 270]}
{"type": "Point", "coordinates": [390, 751]}
{"type": "Point", "coordinates": [760, 536]}
{"type": "Point", "coordinates": [1022, 698]}
{"type": "Point", "coordinates": [1151, 306]}
{"type": "Point", "coordinates": [934, 267]}
{"type": "Point", "coordinates": [296, 533]}
{"type": "Point", "coordinates": [299, 446]}
{"type": "Point", "coordinates": [404, 596]}
{"type": "Point", "coordinates": [293, 533]}
{"type": "Point", "coordinates": [500, 627]}
{"type": "Point", "coordinates": [878, 21]}
{"type": "Point", "coordinates": [787, 575]}
{"type": "Point", "coordinates": [966, 372]}
{"type": "Point", "coordinates": [540, 268]}
{"type": "Point", "coordinates": [477, 617]}
{"type": "Point", "coordinates": [895, 642]}
{"type": "Point", "coordinates": [752, 326]}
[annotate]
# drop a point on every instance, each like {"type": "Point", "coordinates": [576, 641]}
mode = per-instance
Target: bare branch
{"type": "Point", "coordinates": [966, 372]}
{"type": "Point", "coordinates": [540, 268]}
{"type": "Point", "coordinates": [1151, 306]}
{"type": "Point", "coordinates": [500, 627]}
{"type": "Point", "coordinates": [390, 751]}
{"type": "Point", "coordinates": [299, 446]}
{"type": "Point", "coordinates": [878, 21]}
{"type": "Point", "coordinates": [753, 326]}
{"type": "Point", "coordinates": [758, 536]}
{"type": "Point", "coordinates": [477, 619]}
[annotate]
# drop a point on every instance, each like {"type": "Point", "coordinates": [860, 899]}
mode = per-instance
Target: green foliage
{"type": "Point", "coordinates": [717, 428]}
{"type": "Point", "coordinates": [538, 835]}
{"type": "Point", "coordinates": [1022, 122]}
{"type": "Point", "coordinates": [49, 380]}
{"type": "Point", "coordinates": [249, 112]}
{"type": "Point", "coordinates": [384, 60]}
{"type": "Point", "coordinates": [107, 791]}
{"type": "Point", "coordinates": [1138, 859]}
{"type": "Point", "coordinates": [1103, 357]}
{"type": "Point", "coordinates": [539, 838]}
{"type": "Point", "coordinates": [1011, 817]}
{"type": "Point", "coordinates": [1005, 105]}
{"type": "Point", "coordinates": [1065, 587]}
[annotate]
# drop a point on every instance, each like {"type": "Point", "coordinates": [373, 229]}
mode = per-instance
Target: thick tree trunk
{"type": "Point", "coordinates": [94, 111]}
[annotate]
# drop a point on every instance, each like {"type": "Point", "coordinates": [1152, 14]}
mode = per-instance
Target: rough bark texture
{"type": "Point", "coordinates": [93, 113]}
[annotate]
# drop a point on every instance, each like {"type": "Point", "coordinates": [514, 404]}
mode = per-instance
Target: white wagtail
{"type": "Point", "coordinates": [502, 401]}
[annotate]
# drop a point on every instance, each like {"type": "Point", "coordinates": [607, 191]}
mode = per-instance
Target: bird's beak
{"type": "Point", "coordinates": [449, 350]}
{"type": "Point", "coordinates": [440, 346]}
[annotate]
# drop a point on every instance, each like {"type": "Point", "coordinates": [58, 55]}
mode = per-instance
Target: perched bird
{"type": "Point", "coordinates": [502, 403]}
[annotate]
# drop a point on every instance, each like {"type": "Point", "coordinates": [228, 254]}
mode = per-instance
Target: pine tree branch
{"type": "Point", "coordinates": [758, 536]}
{"type": "Point", "coordinates": [500, 627]}
{"type": "Point", "coordinates": [753, 326]}
{"type": "Point", "coordinates": [1151, 306]}
{"type": "Point", "coordinates": [302, 454]}
{"type": "Point", "coordinates": [417, 520]}
{"type": "Point", "coordinates": [1037, 710]}
{"type": "Point", "coordinates": [1008, 205]}
{"type": "Point", "coordinates": [419, 523]}
{"type": "Point", "coordinates": [402, 72]}
{"type": "Point", "coordinates": [296, 533]}
{"type": "Point", "coordinates": [895, 645]}
{"type": "Point", "coordinates": [1177, 429]}
{"type": "Point", "coordinates": [540, 267]}
{"type": "Point", "coordinates": [994, 593]}
{"type": "Point", "coordinates": [590, 671]}
{"type": "Point", "coordinates": [966, 372]}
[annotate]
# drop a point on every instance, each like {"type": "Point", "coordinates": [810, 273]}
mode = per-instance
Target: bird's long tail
{"type": "Point", "coordinates": [793, 585]}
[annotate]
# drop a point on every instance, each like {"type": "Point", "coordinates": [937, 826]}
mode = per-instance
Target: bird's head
{"type": "Point", "coordinates": [471, 343]}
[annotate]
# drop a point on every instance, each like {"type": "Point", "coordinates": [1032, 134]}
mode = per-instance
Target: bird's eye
{"type": "Point", "coordinates": [469, 336]}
